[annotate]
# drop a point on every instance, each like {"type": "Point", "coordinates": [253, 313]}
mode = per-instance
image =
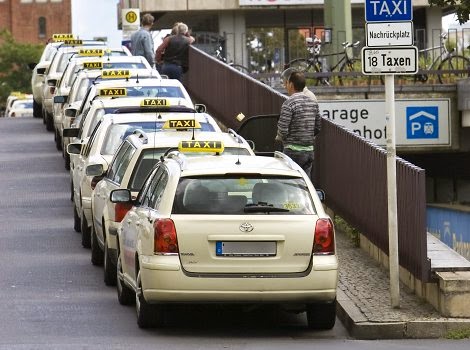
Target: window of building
{"type": "Point", "coordinates": [42, 27]}
{"type": "Point", "coordinates": [41, 0]}
{"type": "Point", "coordinates": [56, 0]}
{"type": "Point", "coordinates": [26, 1]}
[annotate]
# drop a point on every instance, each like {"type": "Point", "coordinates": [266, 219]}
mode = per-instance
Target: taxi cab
{"type": "Point", "coordinates": [56, 69]}
{"type": "Point", "coordinates": [129, 168]}
{"type": "Point", "coordinates": [82, 63]}
{"type": "Point", "coordinates": [226, 229]}
{"type": "Point", "coordinates": [100, 147]}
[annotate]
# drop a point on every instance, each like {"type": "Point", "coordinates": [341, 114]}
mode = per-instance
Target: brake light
{"type": "Point", "coordinates": [120, 210]}
{"type": "Point", "coordinates": [95, 180]}
{"type": "Point", "coordinates": [324, 238]}
{"type": "Point", "coordinates": [165, 240]}
{"type": "Point", "coordinates": [52, 90]}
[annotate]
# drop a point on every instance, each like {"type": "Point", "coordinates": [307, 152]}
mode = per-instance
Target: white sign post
{"type": "Point", "coordinates": [384, 61]}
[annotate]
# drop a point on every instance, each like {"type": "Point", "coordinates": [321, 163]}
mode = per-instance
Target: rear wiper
{"type": "Point", "coordinates": [263, 207]}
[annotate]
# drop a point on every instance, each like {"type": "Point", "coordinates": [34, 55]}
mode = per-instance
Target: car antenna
{"type": "Point", "coordinates": [238, 151]}
{"type": "Point", "coordinates": [137, 80]}
{"type": "Point", "coordinates": [194, 116]}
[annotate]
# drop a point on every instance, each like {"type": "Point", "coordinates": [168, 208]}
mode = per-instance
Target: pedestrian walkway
{"type": "Point", "coordinates": [364, 304]}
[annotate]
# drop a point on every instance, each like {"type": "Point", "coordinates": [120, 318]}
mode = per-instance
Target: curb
{"type": "Point", "coordinates": [359, 326]}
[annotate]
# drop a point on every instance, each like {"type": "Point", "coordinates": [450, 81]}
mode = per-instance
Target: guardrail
{"type": "Point", "coordinates": [351, 170]}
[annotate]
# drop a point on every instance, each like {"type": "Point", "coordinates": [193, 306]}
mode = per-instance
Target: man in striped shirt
{"type": "Point", "coordinates": [298, 123]}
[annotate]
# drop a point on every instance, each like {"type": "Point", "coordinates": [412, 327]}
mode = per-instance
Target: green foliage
{"type": "Point", "coordinates": [459, 334]}
{"type": "Point", "coordinates": [15, 75]}
{"type": "Point", "coordinates": [462, 7]}
{"type": "Point", "coordinates": [350, 231]}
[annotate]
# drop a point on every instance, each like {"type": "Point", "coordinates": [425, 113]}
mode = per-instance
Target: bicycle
{"type": "Point", "coordinates": [219, 55]}
{"type": "Point", "coordinates": [450, 66]}
{"type": "Point", "coordinates": [315, 62]}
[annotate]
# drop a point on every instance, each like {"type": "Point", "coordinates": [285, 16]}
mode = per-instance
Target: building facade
{"type": "Point", "coordinates": [34, 21]}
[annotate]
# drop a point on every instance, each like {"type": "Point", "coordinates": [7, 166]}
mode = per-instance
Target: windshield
{"type": "Point", "coordinates": [243, 195]}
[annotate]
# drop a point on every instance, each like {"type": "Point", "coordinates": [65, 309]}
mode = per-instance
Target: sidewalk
{"type": "Point", "coordinates": [364, 305]}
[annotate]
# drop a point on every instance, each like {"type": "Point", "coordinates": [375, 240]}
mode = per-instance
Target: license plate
{"type": "Point", "coordinates": [245, 249]}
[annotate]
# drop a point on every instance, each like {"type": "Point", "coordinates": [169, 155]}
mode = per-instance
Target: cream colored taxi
{"type": "Point", "coordinates": [226, 229]}
{"type": "Point", "coordinates": [103, 142]}
{"type": "Point", "coordinates": [129, 168]}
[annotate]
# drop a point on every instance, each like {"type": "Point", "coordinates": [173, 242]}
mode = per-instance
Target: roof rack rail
{"type": "Point", "coordinates": [293, 165]}
{"type": "Point", "coordinates": [236, 136]}
{"type": "Point", "coordinates": [141, 135]}
{"type": "Point", "coordinates": [179, 157]}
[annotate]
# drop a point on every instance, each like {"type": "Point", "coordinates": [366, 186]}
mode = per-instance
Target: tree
{"type": "Point", "coordinates": [462, 7]}
{"type": "Point", "coordinates": [15, 75]}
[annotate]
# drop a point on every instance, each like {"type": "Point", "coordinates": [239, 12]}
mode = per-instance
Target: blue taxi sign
{"type": "Point", "coordinates": [388, 10]}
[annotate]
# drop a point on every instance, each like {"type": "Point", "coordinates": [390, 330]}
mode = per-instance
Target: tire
{"type": "Point", "coordinates": [66, 161]}
{"type": "Point", "coordinates": [37, 110]}
{"type": "Point", "coordinates": [109, 267]}
{"type": "Point", "coordinates": [125, 295]}
{"type": "Point", "coordinates": [58, 141]}
{"type": "Point", "coordinates": [96, 252]}
{"type": "Point", "coordinates": [456, 62]}
{"type": "Point", "coordinates": [77, 223]}
{"type": "Point", "coordinates": [86, 231]}
{"type": "Point", "coordinates": [49, 122]}
{"type": "Point", "coordinates": [147, 315]}
{"type": "Point", "coordinates": [349, 67]}
{"type": "Point", "coordinates": [321, 316]}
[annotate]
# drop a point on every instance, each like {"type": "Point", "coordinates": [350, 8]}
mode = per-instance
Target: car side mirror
{"type": "Point", "coordinates": [60, 99]}
{"type": "Point", "coordinates": [41, 71]}
{"type": "Point", "coordinates": [32, 65]}
{"type": "Point", "coordinates": [200, 108]}
{"type": "Point", "coordinates": [70, 132]}
{"type": "Point", "coordinates": [95, 170]}
{"type": "Point", "coordinates": [321, 195]}
{"type": "Point", "coordinates": [120, 196]}
{"type": "Point", "coordinates": [74, 148]}
{"type": "Point", "coordinates": [70, 112]}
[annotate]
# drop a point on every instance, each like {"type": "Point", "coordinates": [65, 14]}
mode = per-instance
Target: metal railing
{"type": "Point", "coordinates": [351, 170]}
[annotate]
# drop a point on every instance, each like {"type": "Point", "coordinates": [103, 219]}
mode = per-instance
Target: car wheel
{"type": "Point", "coordinates": [96, 252]}
{"type": "Point", "coordinates": [147, 315]}
{"type": "Point", "coordinates": [321, 316]}
{"type": "Point", "coordinates": [86, 232]}
{"type": "Point", "coordinates": [58, 141]}
{"type": "Point", "coordinates": [49, 122]}
{"type": "Point", "coordinates": [125, 294]}
{"type": "Point", "coordinates": [71, 192]}
{"type": "Point", "coordinates": [37, 110]}
{"type": "Point", "coordinates": [109, 267]}
{"type": "Point", "coordinates": [77, 224]}
{"type": "Point", "coordinates": [67, 160]}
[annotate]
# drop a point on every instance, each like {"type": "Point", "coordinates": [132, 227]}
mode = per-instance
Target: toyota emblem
{"type": "Point", "coordinates": [246, 227]}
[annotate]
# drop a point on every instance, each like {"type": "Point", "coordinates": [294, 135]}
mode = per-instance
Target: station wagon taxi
{"type": "Point", "coordinates": [226, 229]}
{"type": "Point", "coordinates": [129, 168]}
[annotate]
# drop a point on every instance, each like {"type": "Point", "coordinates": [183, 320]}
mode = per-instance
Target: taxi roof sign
{"type": "Point", "coordinates": [155, 102]}
{"type": "Point", "coordinates": [201, 146]}
{"type": "Point", "coordinates": [114, 92]}
{"type": "Point", "coordinates": [73, 42]}
{"type": "Point", "coordinates": [90, 52]}
{"type": "Point", "coordinates": [62, 37]}
{"type": "Point", "coordinates": [181, 124]}
{"type": "Point", "coordinates": [93, 65]}
{"type": "Point", "coordinates": [115, 73]}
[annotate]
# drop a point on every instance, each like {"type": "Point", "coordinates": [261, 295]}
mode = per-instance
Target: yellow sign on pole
{"type": "Point", "coordinates": [130, 19]}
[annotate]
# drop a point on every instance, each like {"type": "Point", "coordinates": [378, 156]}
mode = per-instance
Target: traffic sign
{"type": "Point", "coordinates": [390, 60]}
{"type": "Point", "coordinates": [388, 10]}
{"type": "Point", "coordinates": [389, 34]}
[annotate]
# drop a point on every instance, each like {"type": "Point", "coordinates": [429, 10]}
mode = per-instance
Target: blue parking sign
{"type": "Point", "coordinates": [422, 122]}
{"type": "Point", "coordinates": [388, 10]}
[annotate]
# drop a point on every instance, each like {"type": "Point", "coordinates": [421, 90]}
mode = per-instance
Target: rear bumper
{"type": "Point", "coordinates": [167, 282]}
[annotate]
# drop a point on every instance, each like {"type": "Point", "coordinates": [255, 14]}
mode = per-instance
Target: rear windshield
{"type": "Point", "coordinates": [243, 195]}
{"type": "Point", "coordinates": [150, 157]}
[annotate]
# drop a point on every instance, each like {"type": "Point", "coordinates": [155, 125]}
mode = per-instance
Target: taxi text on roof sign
{"type": "Point", "coordinates": [113, 92]}
{"type": "Point", "coordinates": [388, 10]}
{"type": "Point", "coordinates": [62, 37]}
{"type": "Point", "coordinates": [201, 146]}
{"type": "Point", "coordinates": [75, 42]}
{"type": "Point", "coordinates": [155, 102]}
{"type": "Point", "coordinates": [181, 124]}
{"type": "Point", "coordinates": [91, 52]}
{"type": "Point", "coordinates": [115, 73]}
{"type": "Point", "coordinates": [93, 65]}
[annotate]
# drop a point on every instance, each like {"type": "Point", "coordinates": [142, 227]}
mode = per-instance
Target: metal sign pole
{"type": "Point", "coordinates": [392, 191]}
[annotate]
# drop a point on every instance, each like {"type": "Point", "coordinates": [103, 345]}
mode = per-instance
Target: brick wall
{"type": "Point", "coordinates": [21, 18]}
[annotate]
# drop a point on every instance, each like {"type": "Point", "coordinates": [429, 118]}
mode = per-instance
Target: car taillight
{"type": "Point", "coordinates": [52, 90]}
{"type": "Point", "coordinates": [95, 180]}
{"type": "Point", "coordinates": [120, 210]}
{"type": "Point", "coordinates": [165, 240]}
{"type": "Point", "coordinates": [324, 238]}
{"type": "Point", "coordinates": [13, 114]}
